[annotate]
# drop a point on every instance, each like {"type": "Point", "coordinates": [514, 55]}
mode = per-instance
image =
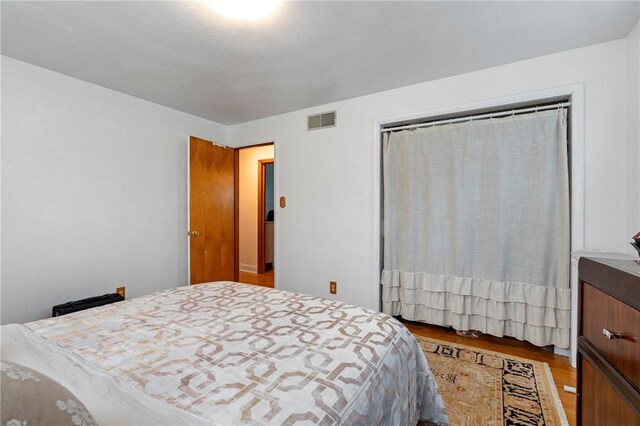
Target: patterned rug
{"type": "Point", "coordinates": [488, 388]}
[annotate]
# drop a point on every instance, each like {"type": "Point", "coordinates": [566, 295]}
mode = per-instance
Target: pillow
{"type": "Point", "coordinates": [31, 398]}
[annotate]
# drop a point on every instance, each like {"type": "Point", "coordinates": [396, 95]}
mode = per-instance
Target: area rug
{"type": "Point", "coordinates": [481, 387]}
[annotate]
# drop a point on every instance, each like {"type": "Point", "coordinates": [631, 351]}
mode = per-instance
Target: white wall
{"type": "Point", "coordinates": [94, 181]}
{"type": "Point", "coordinates": [326, 232]}
{"type": "Point", "coordinates": [248, 204]}
{"type": "Point", "coordinates": [633, 131]}
{"type": "Point", "coordinates": [93, 191]}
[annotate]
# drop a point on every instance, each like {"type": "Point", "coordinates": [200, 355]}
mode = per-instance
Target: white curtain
{"type": "Point", "coordinates": [476, 226]}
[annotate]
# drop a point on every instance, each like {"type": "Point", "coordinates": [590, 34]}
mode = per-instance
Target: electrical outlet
{"type": "Point", "coordinates": [333, 287]}
{"type": "Point", "coordinates": [121, 291]}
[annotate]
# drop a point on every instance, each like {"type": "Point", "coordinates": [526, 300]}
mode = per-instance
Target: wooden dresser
{"type": "Point", "coordinates": [609, 342]}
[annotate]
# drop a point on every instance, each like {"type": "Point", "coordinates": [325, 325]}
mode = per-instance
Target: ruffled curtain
{"type": "Point", "coordinates": [476, 226]}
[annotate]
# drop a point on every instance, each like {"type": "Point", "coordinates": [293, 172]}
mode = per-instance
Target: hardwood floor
{"type": "Point", "coordinates": [264, 280]}
{"type": "Point", "coordinates": [563, 373]}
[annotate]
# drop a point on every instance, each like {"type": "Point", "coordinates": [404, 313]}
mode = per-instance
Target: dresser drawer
{"type": "Point", "coordinates": [600, 404]}
{"type": "Point", "coordinates": [602, 312]}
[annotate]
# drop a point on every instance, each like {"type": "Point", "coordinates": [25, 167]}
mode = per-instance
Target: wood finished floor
{"type": "Point", "coordinates": [563, 373]}
{"type": "Point", "coordinates": [264, 280]}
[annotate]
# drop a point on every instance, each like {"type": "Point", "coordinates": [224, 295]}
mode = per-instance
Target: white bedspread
{"type": "Point", "coordinates": [109, 400]}
{"type": "Point", "coordinates": [231, 354]}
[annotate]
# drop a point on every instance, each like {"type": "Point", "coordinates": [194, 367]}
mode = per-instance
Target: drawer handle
{"type": "Point", "coordinates": [611, 334]}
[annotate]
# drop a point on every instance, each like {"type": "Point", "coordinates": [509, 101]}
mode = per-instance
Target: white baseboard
{"type": "Point", "coordinates": [248, 268]}
{"type": "Point", "coordinates": [562, 351]}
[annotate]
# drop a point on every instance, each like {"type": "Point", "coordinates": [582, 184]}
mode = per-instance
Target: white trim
{"type": "Point", "coordinates": [577, 122]}
{"type": "Point", "coordinates": [377, 208]}
{"type": "Point", "coordinates": [276, 221]}
{"type": "Point", "coordinates": [264, 141]}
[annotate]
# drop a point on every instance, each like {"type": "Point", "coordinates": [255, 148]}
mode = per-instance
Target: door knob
{"type": "Point", "coordinates": [195, 233]}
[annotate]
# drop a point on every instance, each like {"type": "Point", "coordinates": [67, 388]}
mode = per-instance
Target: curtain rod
{"type": "Point", "coordinates": [488, 115]}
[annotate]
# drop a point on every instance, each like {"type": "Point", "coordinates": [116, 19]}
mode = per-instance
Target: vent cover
{"type": "Point", "coordinates": [321, 121]}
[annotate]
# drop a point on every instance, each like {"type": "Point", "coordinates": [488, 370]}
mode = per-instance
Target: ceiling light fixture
{"type": "Point", "coordinates": [244, 10]}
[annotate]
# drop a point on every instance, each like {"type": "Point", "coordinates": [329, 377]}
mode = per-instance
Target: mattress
{"type": "Point", "coordinates": [226, 353]}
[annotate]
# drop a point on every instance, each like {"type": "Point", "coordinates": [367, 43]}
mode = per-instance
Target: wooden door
{"type": "Point", "coordinates": [212, 216]}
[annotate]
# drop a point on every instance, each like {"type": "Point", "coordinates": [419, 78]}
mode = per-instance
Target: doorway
{"type": "Point", "coordinates": [224, 200]}
{"type": "Point", "coordinates": [256, 214]}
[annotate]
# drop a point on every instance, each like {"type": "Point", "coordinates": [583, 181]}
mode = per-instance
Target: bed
{"type": "Point", "coordinates": [231, 354]}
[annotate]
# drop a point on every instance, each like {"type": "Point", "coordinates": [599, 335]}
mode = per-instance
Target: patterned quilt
{"type": "Point", "coordinates": [235, 354]}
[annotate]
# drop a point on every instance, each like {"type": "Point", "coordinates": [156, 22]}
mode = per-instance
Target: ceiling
{"type": "Point", "coordinates": [185, 56]}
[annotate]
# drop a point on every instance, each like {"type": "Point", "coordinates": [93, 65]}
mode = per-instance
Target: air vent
{"type": "Point", "coordinates": [321, 121]}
